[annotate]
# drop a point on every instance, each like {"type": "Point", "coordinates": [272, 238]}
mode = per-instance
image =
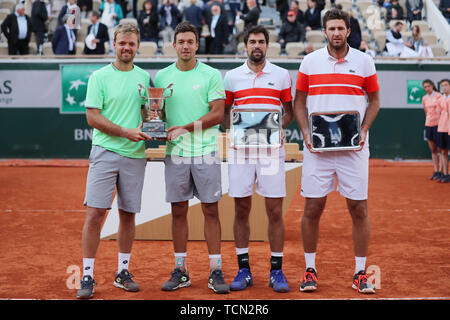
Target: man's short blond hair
{"type": "Point", "coordinates": [127, 28]}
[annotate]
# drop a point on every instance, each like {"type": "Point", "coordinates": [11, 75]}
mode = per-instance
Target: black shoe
{"type": "Point", "coordinates": [86, 290]}
{"type": "Point", "coordinates": [435, 176]}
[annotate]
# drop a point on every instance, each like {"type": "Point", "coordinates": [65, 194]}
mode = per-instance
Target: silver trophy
{"type": "Point", "coordinates": [335, 131]}
{"type": "Point", "coordinates": [255, 128]}
{"type": "Point", "coordinates": [156, 100]}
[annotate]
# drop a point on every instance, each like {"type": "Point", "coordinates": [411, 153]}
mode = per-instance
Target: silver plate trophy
{"type": "Point", "coordinates": [155, 101]}
{"type": "Point", "coordinates": [256, 128]}
{"type": "Point", "coordinates": [334, 131]}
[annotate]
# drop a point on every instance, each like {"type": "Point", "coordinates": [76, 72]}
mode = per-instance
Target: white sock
{"type": "Point", "coordinates": [241, 250]}
{"type": "Point", "coordinates": [124, 261]}
{"type": "Point", "coordinates": [310, 260]}
{"type": "Point", "coordinates": [360, 264]}
{"type": "Point", "coordinates": [180, 260]}
{"type": "Point", "coordinates": [88, 267]}
{"type": "Point", "coordinates": [215, 261]}
{"type": "Point", "coordinates": [276, 254]}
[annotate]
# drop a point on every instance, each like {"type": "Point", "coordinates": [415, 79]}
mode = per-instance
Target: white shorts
{"type": "Point", "coordinates": [351, 168]}
{"type": "Point", "coordinates": [269, 175]}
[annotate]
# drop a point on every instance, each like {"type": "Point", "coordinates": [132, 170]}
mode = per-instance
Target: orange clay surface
{"type": "Point", "coordinates": [41, 218]}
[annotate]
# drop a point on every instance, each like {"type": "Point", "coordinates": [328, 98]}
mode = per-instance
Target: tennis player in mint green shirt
{"type": "Point", "coordinates": [192, 164]}
{"type": "Point", "coordinates": [117, 159]}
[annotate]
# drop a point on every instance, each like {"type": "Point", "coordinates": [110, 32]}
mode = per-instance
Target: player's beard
{"type": "Point", "coordinates": [256, 59]}
{"type": "Point", "coordinates": [338, 47]}
{"type": "Point", "coordinates": [128, 57]}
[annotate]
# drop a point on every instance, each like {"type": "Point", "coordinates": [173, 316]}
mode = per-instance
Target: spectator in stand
{"type": "Point", "coordinates": [443, 137]}
{"type": "Point", "coordinates": [85, 8]}
{"type": "Point", "coordinates": [321, 4]}
{"type": "Point", "coordinates": [218, 30]}
{"type": "Point", "coordinates": [308, 49]}
{"type": "Point", "coordinates": [124, 5]}
{"type": "Point", "coordinates": [71, 4]}
{"type": "Point", "coordinates": [148, 22]}
{"type": "Point", "coordinates": [207, 17]}
{"type": "Point", "coordinates": [63, 40]}
{"type": "Point", "coordinates": [111, 14]}
{"type": "Point", "coordinates": [430, 103]}
{"type": "Point", "coordinates": [235, 6]}
{"type": "Point", "coordinates": [364, 47]}
{"type": "Point", "coordinates": [38, 18]}
{"type": "Point", "coordinates": [417, 43]}
{"type": "Point", "coordinates": [194, 15]}
{"type": "Point", "coordinates": [70, 7]}
{"type": "Point", "coordinates": [250, 19]}
{"type": "Point", "coordinates": [354, 39]}
{"type": "Point", "coordinates": [170, 17]}
{"type": "Point", "coordinates": [312, 16]}
{"type": "Point", "coordinates": [100, 33]}
{"type": "Point", "coordinates": [17, 29]}
{"type": "Point", "coordinates": [135, 9]}
{"type": "Point", "coordinates": [394, 40]}
{"type": "Point", "coordinates": [394, 12]}
{"type": "Point", "coordinates": [283, 8]}
{"type": "Point", "coordinates": [299, 16]}
{"type": "Point", "coordinates": [444, 6]}
{"type": "Point", "coordinates": [414, 10]}
{"type": "Point", "coordinates": [290, 31]}
{"type": "Point", "coordinates": [385, 3]}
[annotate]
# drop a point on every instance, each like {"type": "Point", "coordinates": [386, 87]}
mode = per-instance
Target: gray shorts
{"type": "Point", "coordinates": [109, 170]}
{"type": "Point", "coordinates": [188, 177]}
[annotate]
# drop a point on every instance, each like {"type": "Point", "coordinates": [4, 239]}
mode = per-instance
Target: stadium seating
{"type": "Point", "coordinates": [423, 25]}
{"type": "Point", "coordinates": [3, 13]}
{"type": "Point", "coordinates": [47, 49]}
{"type": "Point", "coordinates": [438, 50]}
{"type": "Point", "coordinates": [169, 50]}
{"type": "Point", "coordinates": [3, 48]}
{"type": "Point", "coordinates": [294, 48]}
{"type": "Point", "coordinates": [315, 36]}
{"type": "Point", "coordinates": [274, 50]}
{"type": "Point", "coordinates": [8, 4]}
{"type": "Point", "coordinates": [148, 48]}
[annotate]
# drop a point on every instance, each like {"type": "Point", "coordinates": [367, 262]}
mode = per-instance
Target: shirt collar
{"type": "Point", "coordinates": [267, 68]}
{"type": "Point", "coordinates": [344, 59]}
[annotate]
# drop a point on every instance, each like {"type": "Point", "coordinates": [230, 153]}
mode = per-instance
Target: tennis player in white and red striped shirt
{"type": "Point", "coordinates": [258, 84]}
{"type": "Point", "coordinates": [332, 79]}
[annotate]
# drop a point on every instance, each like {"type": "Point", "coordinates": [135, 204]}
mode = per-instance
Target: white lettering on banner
{"type": "Point", "coordinates": [30, 89]}
{"type": "Point", "coordinates": [82, 134]}
{"type": "Point", "coordinates": [293, 135]}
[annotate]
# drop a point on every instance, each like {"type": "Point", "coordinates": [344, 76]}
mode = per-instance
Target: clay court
{"type": "Point", "coordinates": [41, 214]}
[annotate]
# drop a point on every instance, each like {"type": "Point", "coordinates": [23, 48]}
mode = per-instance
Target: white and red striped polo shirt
{"type": "Point", "coordinates": [337, 85]}
{"type": "Point", "coordinates": [266, 90]}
